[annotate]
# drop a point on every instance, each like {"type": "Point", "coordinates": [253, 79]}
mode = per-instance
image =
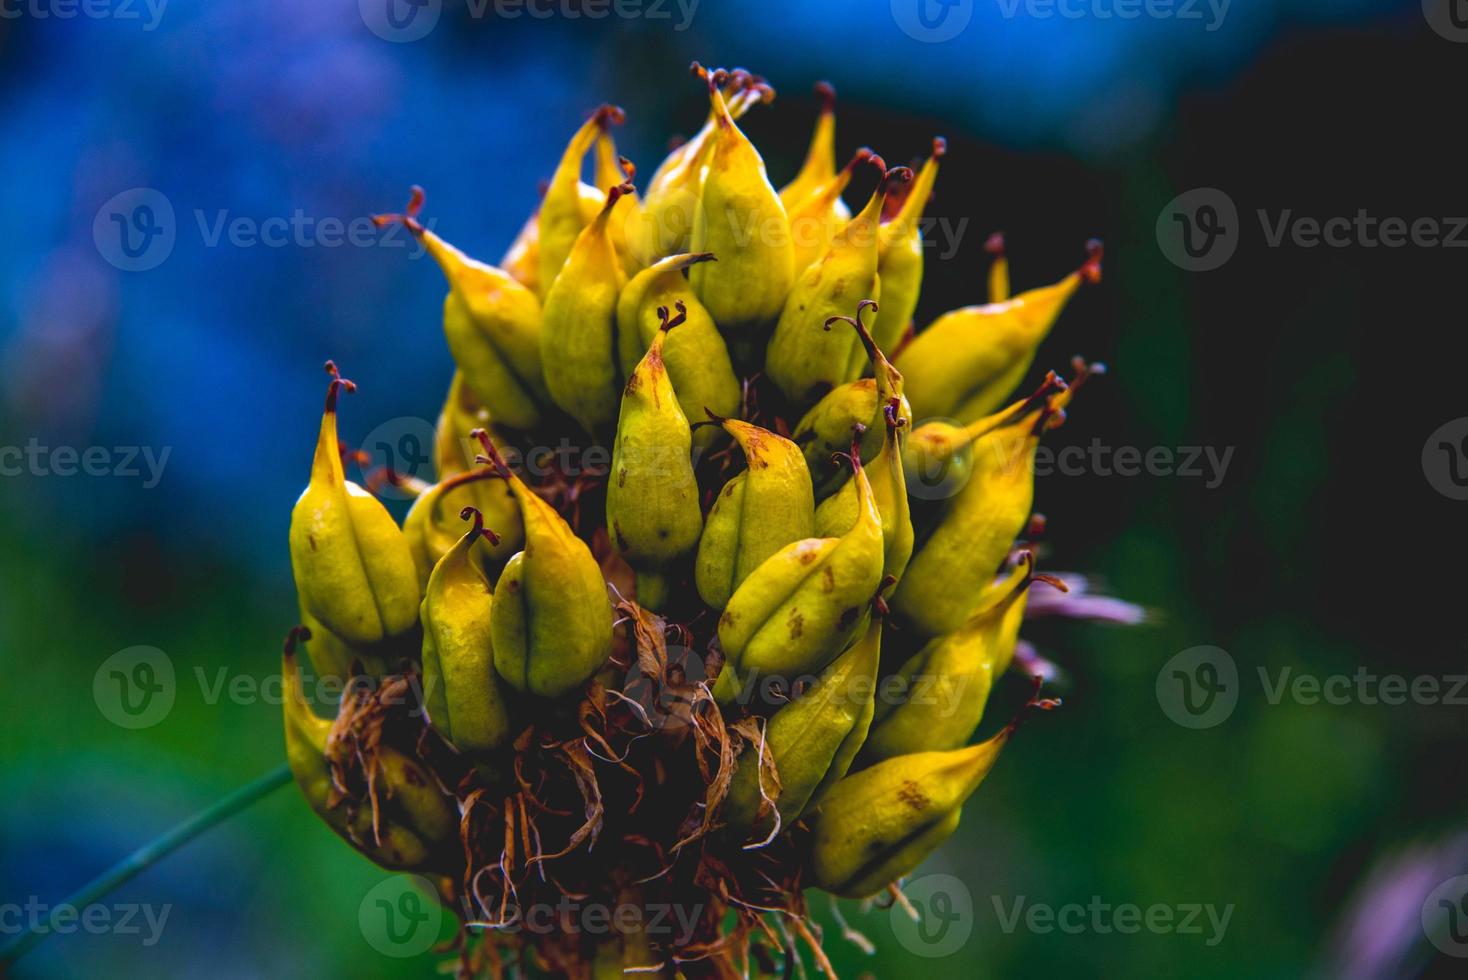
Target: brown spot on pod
{"type": "Point", "coordinates": [912, 794]}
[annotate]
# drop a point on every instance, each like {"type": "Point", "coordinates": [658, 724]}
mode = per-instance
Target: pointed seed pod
{"type": "Point", "coordinates": [741, 220]}
{"type": "Point", "coordinates": [803, 604]}
{"type": "Point", "coordinates": [806, 739]}
{"type": "Point", "coordinates": [353, 568]}
{"type": "Point", "coordinates": [817, 218]}
{"type": "Point", "coordinates": [901, 255]}
{"type": "Point", "coordinates": [696, 356]}
{"type": "Point", "coordinates": [968, 360]}
{"type": "Point", "coordinates": [461, 691]}
{"type": "Point", "coordinates": [563, 212]}
{"type": "Point", "coordinates": [492, 324]}
{"type": "Point", "coordinates": [820, 158]}
{"type": "Point", "coordinates": [825, 430]}
{"type": "Point", "coordinates": [432, 524]}
{"type": "Point", "coordinates": [759, 511]}
{"type": "Point", "coordinates": [877, 825]}
{"type": "Point", "coordinates": [626, 217]}
{"type": "Point", "coordinates": [580, 323]}
{"type": "Point", "coordinates": [395, 843]}
{"type": "Point", "coordinates": [952, 675]}
{"type": "Point", "coordinates": [998, 269]}
{"type": "Point", "coordinates": [958, 559]}
{"type": "Point", "coordinates": [938, 456]}
{"type": "Point", "coordinates": [653, 512]}
{"type": "Point", "coordinates": [552, 621]}
{"type": "Point", "coordinates": [839, 512]}
{"type": "Point", "coordinates": [668, 210]}
{"type": "Point", "coordinates": [806, 363]}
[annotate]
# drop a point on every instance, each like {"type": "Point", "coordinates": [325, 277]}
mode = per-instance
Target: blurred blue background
{"type": "Point", "coordinates": [1324, 369]}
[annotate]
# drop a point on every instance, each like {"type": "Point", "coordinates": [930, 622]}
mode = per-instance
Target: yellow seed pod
{"type": "Point", "coordinates": [979, 525]}
{"type": "Point", "coordinates": [938, 456]}
{"type": "Point", "coordinates": [552, 621]}
{"type": "Point", "coordinates": [820, 159]}
{"type": "Point", "coordinates": [811, 740]}
{"type": "Point", "coordinates": [741, 220]}
{"type": "Point", "coordinates": [998, 268]}
{"type": "Point", "coordinates": [901, 256]}
{"type": "Point", "coordinates": [759, 511]}
{"type": "Point", "coordinates": [580, 323]}
{"type": "Point", "coordinates": [696, 356]}
{"type": "Point", "coordinates": [563, 212]}
{"type": "Point", "coordinates": [665, 226]}
{"type": "Point", "coordinates": [432, 524]}
{"type": "Point", "coordinates": [461, 691]}
{"type": "Point", "coordinates": [947, 682]}
{"type": "Point", "coordinates": [806, 363]}
{"type": "Point", "coordinates": [626, 217]}
{"type": "Point", "coordinates": [968, 360]}
{"type": "Point", "coordinates": [817, 218]}
{"type": "Point", "coordinates": [878, 825]}
{"type": "Point", "coordinates": [653, 511]}
{"type": "Point", "coordinates": [825, 430]}
{"type": "Point", "coordinates": [838, 512]}
{"type": "Point", "coordinates": [492, 324]}
{"type": "Point", "coordinates": [803, 604]}
{"type": "Point", "coordinates": [522, 258]}
{"type": "Point", "coordinates": [353, 569]}
{"type": "Point", "coordinates": [416, 822]}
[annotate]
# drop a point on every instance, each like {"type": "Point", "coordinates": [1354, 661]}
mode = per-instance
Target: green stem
{"type": "Point", "coordinates": [145, 857]}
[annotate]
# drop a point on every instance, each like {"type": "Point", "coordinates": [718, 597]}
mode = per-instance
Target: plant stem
{"type": "Point", "coordinates": [144, 858]}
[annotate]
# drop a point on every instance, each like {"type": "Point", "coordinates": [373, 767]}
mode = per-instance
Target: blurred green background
{"type": "Point", "coordinates": [1324, 549]}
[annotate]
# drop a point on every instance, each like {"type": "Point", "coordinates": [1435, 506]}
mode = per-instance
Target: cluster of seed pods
{"type": "Point", "coordinates": [687, 676]}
